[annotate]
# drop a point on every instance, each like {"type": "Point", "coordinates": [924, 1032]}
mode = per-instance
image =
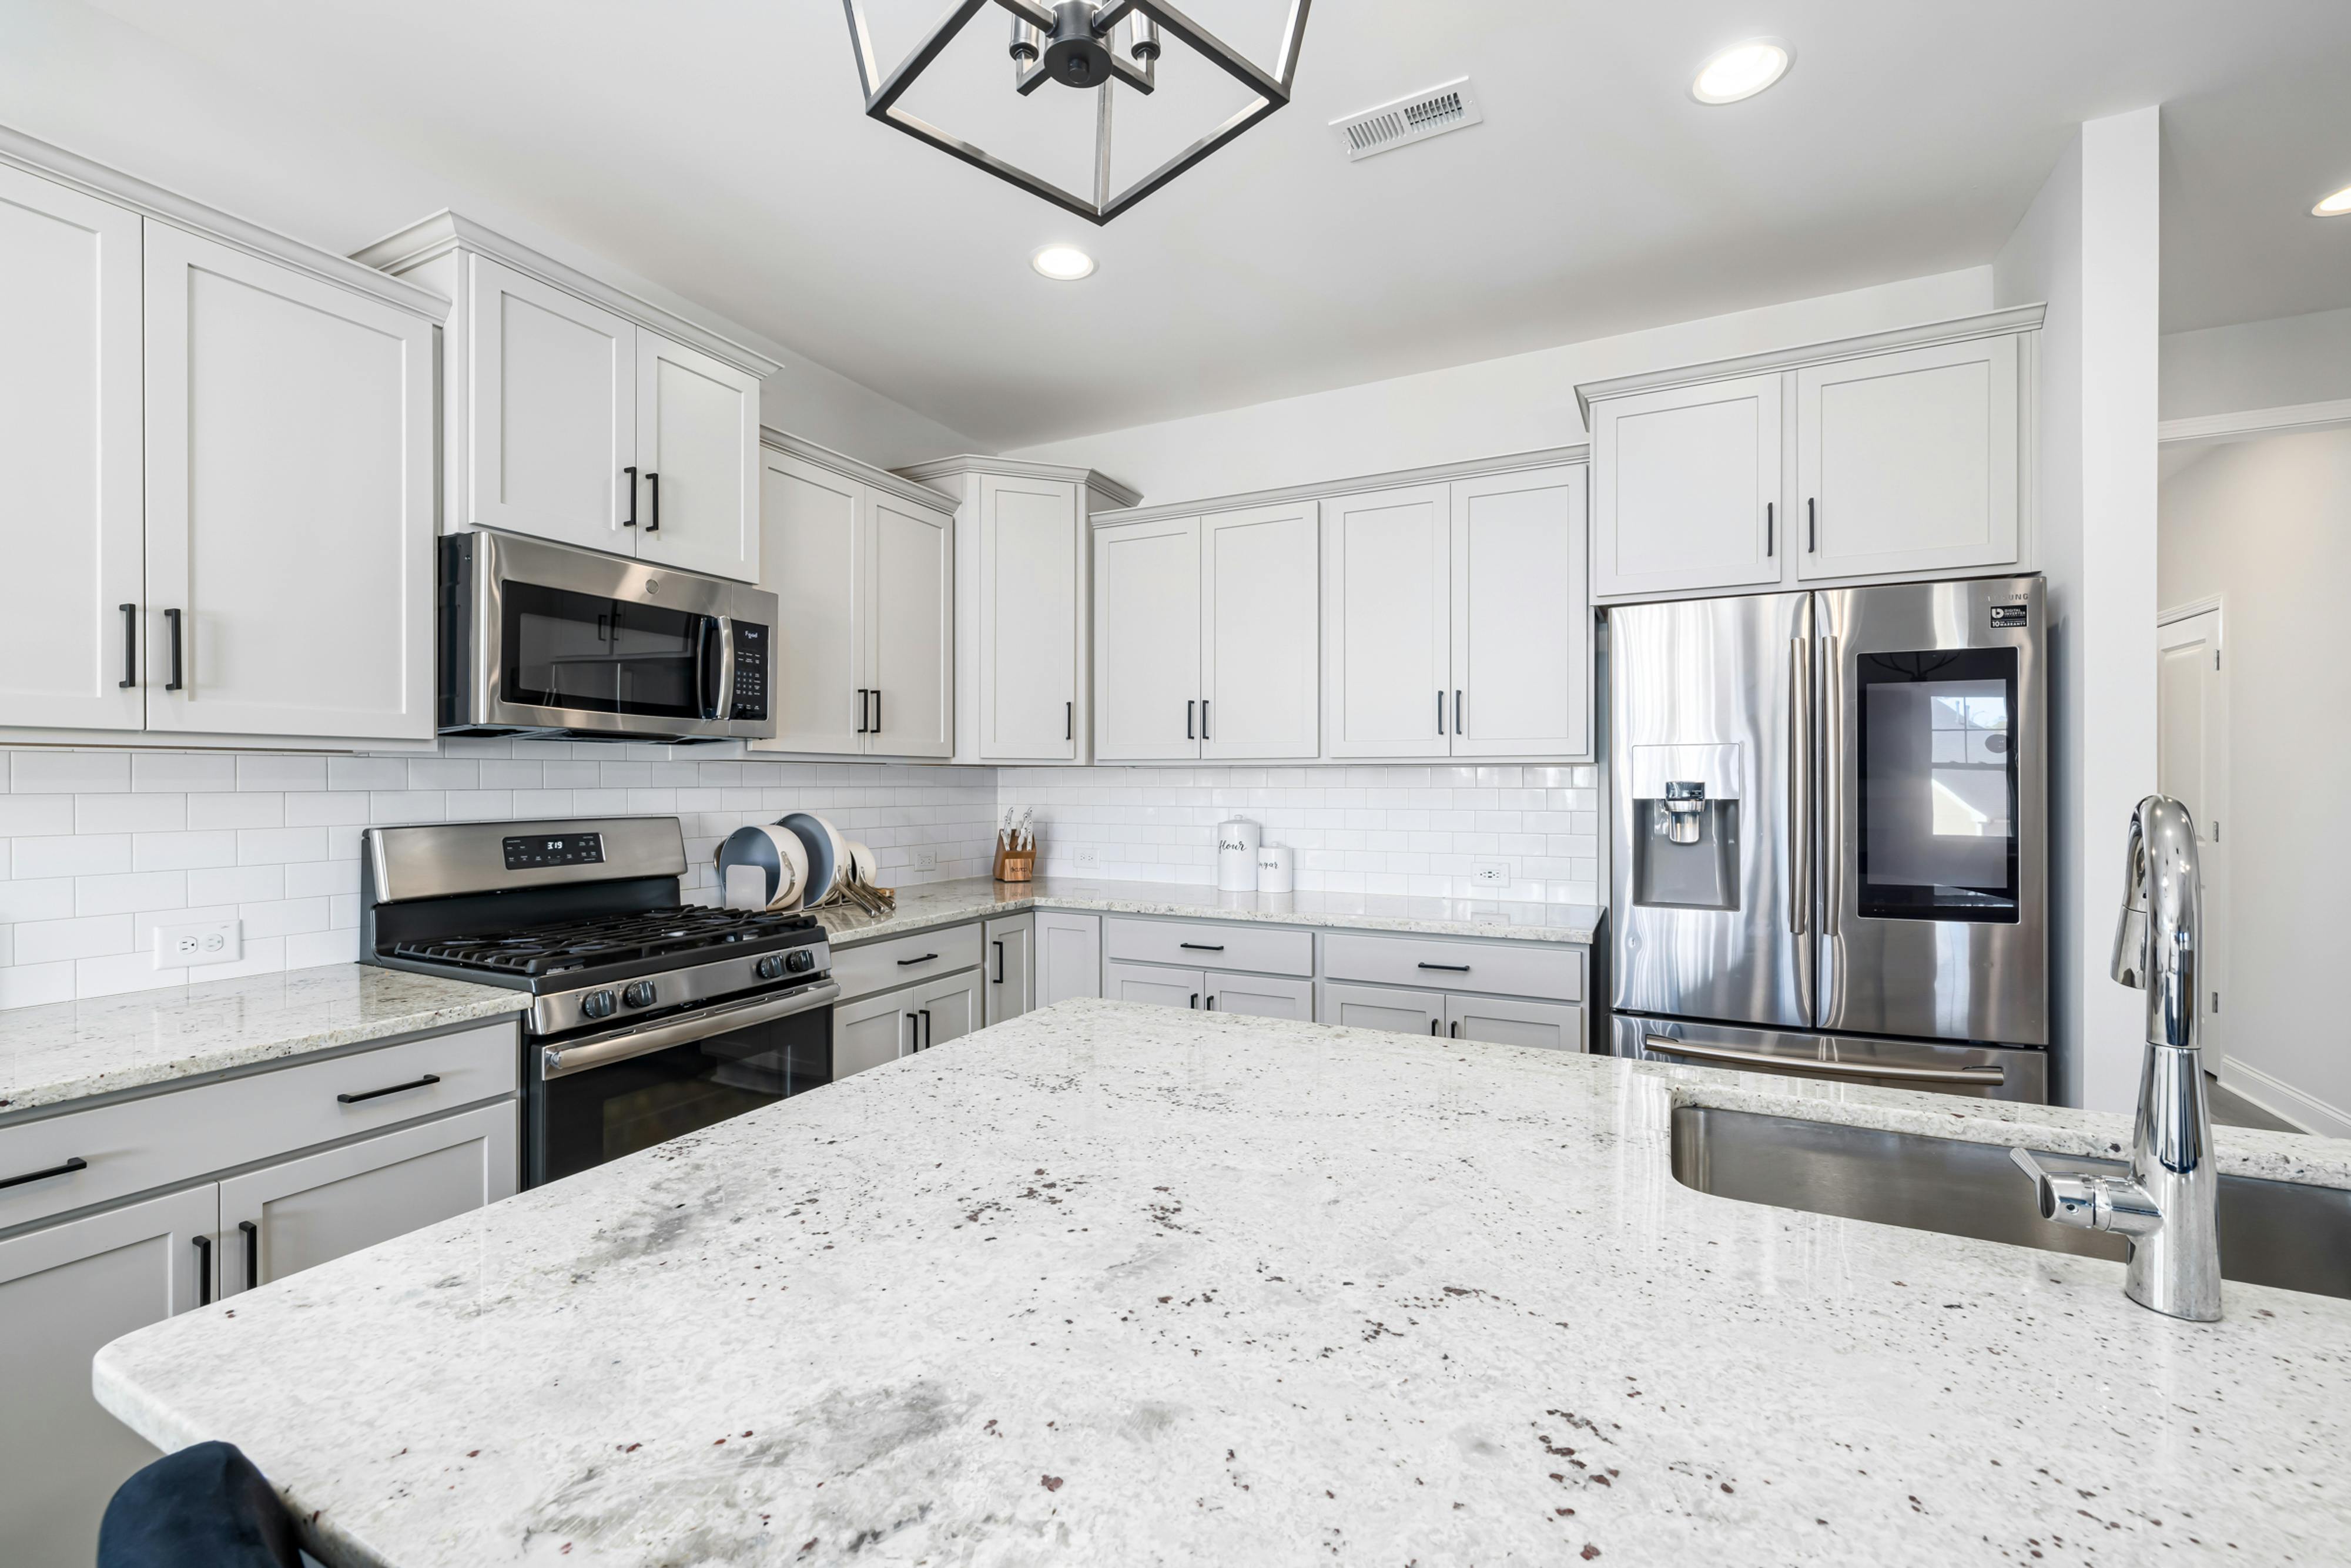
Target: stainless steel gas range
{"type": "Point", "coordinates": [649, 1018]}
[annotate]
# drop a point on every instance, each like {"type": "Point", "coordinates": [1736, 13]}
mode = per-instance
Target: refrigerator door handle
{"type": "Point", "coordinates": [1799, 785]}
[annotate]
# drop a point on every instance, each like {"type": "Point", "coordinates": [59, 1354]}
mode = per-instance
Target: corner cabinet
{"type": "Point", "coordinates": [1022, 606]}
{"type": "Point", "coordinates": [1900, 454]}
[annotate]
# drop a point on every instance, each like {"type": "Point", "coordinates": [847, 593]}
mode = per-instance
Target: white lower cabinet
{"type": "Point", "coordinates": [1376, 1007]}
{"type": "Point", "coordinates": [947, 1009]}
{"type": "Point", "coordinates": [1554, 1026]}
{"type": "Point", "coordinates": [1010, 972]}
{"type": "Point", "coordinates": [1259, 995]}
{"type": "Point", "coordinates": [874, 1029]}
{"type": "Point", "coordinates": [1068, 956]}
{"type": "Point", "coordinates": [1150, 983]}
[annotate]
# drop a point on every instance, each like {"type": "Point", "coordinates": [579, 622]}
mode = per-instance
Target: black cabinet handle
{"type": "Point", "coordinates": [861, 710]}
{"type": "Point", "coordinates": [1440, 713]}
{"type": "Point", "coordinates": [999, 961]}
{"type": "Point", "coordinates": [1450, 968]}
{"type": "Point", "coordinates": [913, 1038]}
{"type": "Point", "coordinates": [252, 1253]}
{"type": "Point", "coordinates": [175, 684]}
{"type": "Point", "coordinates": [1456, 710]}
{"type": "Point", "coordinates": [203, 1269]}
{"type": "Point", "coordinates": [923, 959]}
{"type": "Point", "coordinates": [631, 520]}
{"type": "Point", "coordinates": [1070, 721]}
{"type": "Point", "coordinates": [1812, 527]}
{"type": "Point", "coordinates": [1196, 999]}
{"type": "Point", "coordinates": [71, 1165]}
{"type": "Point", "coordinates": [1203, 946]}
{"type": "Point", "coordinates": [653, 495]}
{"type": "Point", "coordinates": [877, 710]}
{"type": "Point", "coordinates": [129, 646]}
{"type": "Point", "coordinates": [1212, 1001]}
{"type": "Point", "coordinates": [1188, 706]}
{"type": "Point", "coordinates": [1435, 1028]}
{"type": "Point", "coordinates": [426, 1081]}
{"type": "Point", "coordinates": [1204, 719]}
{"type": "Point", "coordinates": [1455, 1026]}
{"type": "Point", "coordinates": [1767, 530]}
{"type": "Point", "coordinates": [924, 1014]}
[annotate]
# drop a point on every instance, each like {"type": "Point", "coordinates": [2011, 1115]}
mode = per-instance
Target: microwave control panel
{"type": "Point", "coordinates": [751, 671]}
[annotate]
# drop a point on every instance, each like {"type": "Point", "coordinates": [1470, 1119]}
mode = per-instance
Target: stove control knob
{"type": "Point", "coordinates": [799, 960]}
{"type": "Point", "coordinates": [770, 966]}
{"type": "Point", "coordinates": [639, 994]}
{"type": "Point", "coordinates": [597, 1005]}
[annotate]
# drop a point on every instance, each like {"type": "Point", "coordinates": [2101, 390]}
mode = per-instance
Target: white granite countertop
{"type": "Point", "coordinates": [949, 903]}
{"type": "Point", "coordinates": [71, 1051]}
{"type": "Point", "coordinates": [1111, 1284]}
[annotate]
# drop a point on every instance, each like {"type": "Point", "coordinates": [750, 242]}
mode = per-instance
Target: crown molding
{"type": "Point", "coordinates": [119, 188]}
{"type": "Point", "coordinates": [956, 467]}
{"type": "Point", "coordinates": [2284, 420]}
{"type": "Point", "coordinates": [849, 467]}
{"type": "Point", "coordinates": [446, 231]}
{"type": "Point", "coordinates": [1994, 324]}
{"type": "Point", "coordinates": [1396, 479]}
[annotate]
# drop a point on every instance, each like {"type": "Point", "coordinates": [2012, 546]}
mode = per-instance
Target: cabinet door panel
{"type": "Point", "coordinates": [1261, 633]}
{"type": "Point", "coordinates": [1521, 616]}
{"type": "Point", "coordinates": [870, 1032]}
{"type": "Point", "coordinates": [813, 544]}
{"type": "Point", "coordinates": [290, 500]}
{"type": "Point", "coordinates": [1681, 481]}
{"type": "Point", "coordinates": [69, 443]}
{"type": "Point", "coordinates": [1009, 973]}
{"type": "Point", "coordinates": [1554, 1026]}
{"type": "Point", "coordinates": [1145, 983]}
{"type": "Point", "coordinates": [551, 399]}
{"type": "Point", "coordinates": [947, 1009]}
{"type": "Point", "coordinates": [1259, 995]}
{"type": "Point", "coordinates": [698, 444]}
{"type": "Point", "coordinates": [1908, 462]}
{"type": "Point", "coordinates": [65, 1292]}
{"type": "Point", "coordinates": [318, 1207]}
{"type": "Point", "coordinates": [1068, 956]}
{"type": "Point", "coordinates": [1386, 623]}
{"type": "Point", "coordinates": [1368, 1006]}
{"type": "Point", "coordinates": [1147, 642]}
{"type": "Point", "coordinates": [910, 647]}
{"type": "Point", "coordinates": [1032, 598]}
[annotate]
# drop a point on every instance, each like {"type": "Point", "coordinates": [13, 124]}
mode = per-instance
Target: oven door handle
{"type": "Point", "coordinates": [1991, 1077]}
{"type": "Point", "coordinates": [579, 1056]}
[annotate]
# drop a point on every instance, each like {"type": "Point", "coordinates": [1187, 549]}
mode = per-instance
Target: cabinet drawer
{"type": "Point", "coordinates": [179, 1134]}
{"type": "Point", "coordinates": [1502, 968]}
{"type": "Point", "coordinates": [1259, 949]}
{"type": "Point", "coordinates": [900, 960]}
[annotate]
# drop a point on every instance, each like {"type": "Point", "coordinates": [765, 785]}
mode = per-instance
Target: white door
{"type": "Point", "coordinates": [698, 446]}
{"type": "Point", "coordinates": [1259, 995]}
{"type": "Point", "coordinates": [1068, 956]}
{"type": "Point", "coordinates": [69, 443]}
{"type": "Point", "coordinates": [1008, 966]}
{"type": "Point", "coordinates": [1374, 1007]}
{"type": "Point", "coordinates": [1031, 610]}
{"type": "Point", "coordinates": [2192, 768]}
{"type": "Point", "coordinates": [1149, 983]}
{"type": "Point", "coordinates": [65, 1292]}
{"type": "Point", "coordinates": [1261, 633]}
{"type": "Point", "coordinates": [1386, 623]}
{"type": "Point", "coordinates": [1685, 489]}
{"type": "Point", "coordinates": [551, 401]}
{"type": "Point", "coordinates": [813, 543]}
{"type": "Point", "coordinates": [870, 1032]}
{"type": "Point", "coordinates": [910, 647]}
{"type": "Point", "coordinates": [947, 1009]}
{"type": "Point", "coordinates": [289, 501]}
{"type": "Point", "coordinates": [1908, 462]}
{"type": "Point", "coordinates": [286, 1218]}
{"type": "Point", "coordinates": [1554, 1026]}
{"type": "Point", "coordinates": [1521, 616]}
{"type": "Point", "coordinates": [1147, 642]}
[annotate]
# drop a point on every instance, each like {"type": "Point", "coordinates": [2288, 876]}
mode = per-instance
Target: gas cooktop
{"type": "Point", "coordinates": [685, 934]}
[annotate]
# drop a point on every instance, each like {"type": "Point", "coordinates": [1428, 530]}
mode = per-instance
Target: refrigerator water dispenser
{"type": "Point", "coordinates": [1686, 853]}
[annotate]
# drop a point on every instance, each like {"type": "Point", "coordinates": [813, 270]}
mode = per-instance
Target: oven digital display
{"type": "Point", "coordinates": [540, 851]}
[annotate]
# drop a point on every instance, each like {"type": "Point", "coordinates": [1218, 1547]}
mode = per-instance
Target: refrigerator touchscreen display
{"type": "Point", "coordinates": [1938, 785]}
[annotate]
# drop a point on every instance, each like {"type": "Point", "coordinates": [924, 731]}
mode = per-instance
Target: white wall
{"type": "Point", "coordinates": [1521, 403]}
{"type": "Point", "coordinates": [2258, 364]}
{"type": "Point", "coordinates": [2266, 525]}
{"type": "Point", "coordinates": [86, 81]}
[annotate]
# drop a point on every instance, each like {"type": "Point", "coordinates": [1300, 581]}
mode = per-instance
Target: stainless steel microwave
{"type": "Point", "coordinates": [543, 640]}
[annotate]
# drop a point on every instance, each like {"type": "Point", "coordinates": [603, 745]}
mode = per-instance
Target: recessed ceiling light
{"type": "Point", "coordinates": [1064, 263]}
{"type": "Point", "coordinates": [1743, 70]}
{"type": "Point", "coordinates": [2337, 205]}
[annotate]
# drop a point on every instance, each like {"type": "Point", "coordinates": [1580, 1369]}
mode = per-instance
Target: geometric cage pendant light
{"type": "Point", "coordinates": [1081, 45]}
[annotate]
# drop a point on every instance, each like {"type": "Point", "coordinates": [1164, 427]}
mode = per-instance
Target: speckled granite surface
{"type": "Point", "coordinates": [71, 1051]}
{"type": "Point", "coordinates": [948, 903]}
{"type": "Point", "coordinates": [1127, 1285]}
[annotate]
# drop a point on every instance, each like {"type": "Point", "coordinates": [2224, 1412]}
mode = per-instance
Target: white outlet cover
{"type": "Point", "coordinates": [1085, 855]}
{"type": "Point", "coordinates": [927, 859]}
{"type": "Point", "coordinates": [202, 942]}
{"type": "Point", "coordinates": [1490, 873]}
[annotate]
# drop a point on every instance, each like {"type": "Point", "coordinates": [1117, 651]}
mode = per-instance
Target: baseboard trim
{"type": "Point", "coordinates": [2283, 1100]}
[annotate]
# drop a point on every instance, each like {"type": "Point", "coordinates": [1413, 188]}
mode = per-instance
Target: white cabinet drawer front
{"type": "Point", "coordinates": [1257, 996]}
{"type": "Point", "coordinates": [180, 1135]}
{"type": "Point", "coordinates": [1259, 949]}
{"type": "Point", "coordinates": [1152, 984]}
{"type": "Point", "coordinates": [1547, 1026]}
{"type": "Point", "coordinates": [902, 960]}
{"type": "Point", "coordinates": [1366, 1007]}
{"type": "Point", "coordinates": [1501, 968]}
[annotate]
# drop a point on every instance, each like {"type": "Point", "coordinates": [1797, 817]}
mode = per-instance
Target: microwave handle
{"type": "Point", "coordinates": [726, 704]}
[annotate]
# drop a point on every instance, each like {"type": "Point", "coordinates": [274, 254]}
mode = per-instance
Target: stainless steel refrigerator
{"type": "Point", "coordinates": [1829, 814]}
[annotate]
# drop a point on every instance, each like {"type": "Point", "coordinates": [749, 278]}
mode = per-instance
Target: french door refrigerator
{"type": "Point", "coordinates": [1829, 818]}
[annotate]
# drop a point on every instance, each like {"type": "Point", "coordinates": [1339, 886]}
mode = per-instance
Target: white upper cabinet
{"type": "Point", "coordinates": [1908, 462]}
{"type": "Point", "coordinates": [1261, 635]}
{"type": "Point", "coordinates": [1686, 487]}
{"type": "Point", "coordinates": [1148, 631]}
{"type": "Point", "coordinates": [1032, 540]}
{"type": "Point", "coordinates": [70, 440]}
{"type": "Point", "coordinates": [698, 422]}
{"type": "Point", "coordinates": [551, 394]}
{"type": "Point", "coordinates": [289, 501]}
{"type": "Point", "coordinates": [1521, 616]}
{"type": "Point", "coordinates": [911, 656]}
{"type": "Point", "coordinates": [1386, 619]}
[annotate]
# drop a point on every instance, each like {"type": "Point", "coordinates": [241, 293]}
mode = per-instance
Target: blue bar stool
{"type": "Point", "coordinates": [204, 1506]}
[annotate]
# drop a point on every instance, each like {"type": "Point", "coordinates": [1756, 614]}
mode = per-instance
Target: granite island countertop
{"type": "Point", "coordinates": [1115, 1284]}
{"type": "Point", "coordinates": [971, 898]}
{"type": "Point", "coordinates": [65, 1051]}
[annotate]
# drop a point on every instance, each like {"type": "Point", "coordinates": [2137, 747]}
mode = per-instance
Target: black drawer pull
{"type": "Point", "coordinates": [999, 962]}
{"type": "Point", "coordinates": [204, 1245]}
{"type": "Point", "coordinates": [71, 1165]}
{"type": "Point", "coordinates": [175, 682]}
{"type": "Point", "coordinates": [923, 959]}
{"type": "Point", "coordinates": [426, 1081]}
{"type": "Point", "coordinates": [631, 520]}
{"type": "Point", "coordinates": [129, 645]}
{"type": "Point", "coordinates": [652, 490]}
{"type": "Point", "coordinates": [252, 1253]}
{"type": "Point", "coordinates": [1449, 968]}
{"type": "Point", "coordinates": [1203, 946]}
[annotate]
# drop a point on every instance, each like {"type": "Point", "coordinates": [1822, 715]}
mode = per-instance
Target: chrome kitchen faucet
{"type": "Point", "coordinates": [2165, 1206]}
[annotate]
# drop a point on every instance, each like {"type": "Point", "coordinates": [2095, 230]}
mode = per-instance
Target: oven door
{"type": "Point", "coordinates": [598, 1096]}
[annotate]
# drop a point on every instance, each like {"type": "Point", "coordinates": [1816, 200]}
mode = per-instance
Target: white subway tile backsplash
{"type": "Point", "coordinates": [275, 846]}
{"type": "Point", "coordinates": [182, 851]}
{"type": "Point", "coordinates": [281, 773]}
{"type": "Point", "coordinates": [32, 815]}
{"type": "Point", "coordinates": [183, 771]}
{"type": "Point", "coordinates": [77, 855]}
{"type": "Point", "coordinates": [50, 898]}
{"type": "Point", "coordinates": [237, 884]}
{"type": "Point", "coordinates": [128, 891]}
{"type": "Point", "coordinates": [67, 773]}
{"type": "Point", "coordinates": [47, 941]}
{"type": "Point", "coordinates": [235, 811]}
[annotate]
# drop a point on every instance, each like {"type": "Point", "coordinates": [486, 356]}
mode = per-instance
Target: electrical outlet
{"type": "Point", "coordinates": [1085, 858]}
{"type": "Point", "coordinates": [206, 942]}
{"type": "Point", "coordinates": [927, 859]}
{"type": "Point", "coordinates": [1490, 873]}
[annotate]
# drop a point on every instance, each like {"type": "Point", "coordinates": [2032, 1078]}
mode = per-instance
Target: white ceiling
{"type": "Point", "coordinates": [718, 148]}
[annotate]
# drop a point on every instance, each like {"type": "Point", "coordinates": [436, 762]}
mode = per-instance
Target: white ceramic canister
{"type": "Point", "coordinates": [1236, 845]}
{"type": "Point", "coordinates": [1277, 868]}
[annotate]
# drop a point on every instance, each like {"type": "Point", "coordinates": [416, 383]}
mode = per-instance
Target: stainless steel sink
{"type": "Point", "coordinates": [2272, 1233]}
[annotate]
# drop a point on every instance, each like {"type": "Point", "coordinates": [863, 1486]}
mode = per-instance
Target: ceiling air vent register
{"type": "Point", "coordinates": [1409, 119]}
